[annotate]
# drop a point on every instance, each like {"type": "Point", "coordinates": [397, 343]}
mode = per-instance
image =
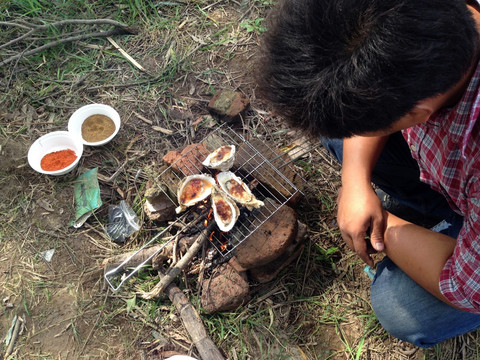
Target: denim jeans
{"type": "Point", "coordinates": [405, 309]}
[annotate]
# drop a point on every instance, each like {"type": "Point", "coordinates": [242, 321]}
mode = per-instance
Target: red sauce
{"type": "Point", "coordinates": [224, 211]}
{"type": "Point", "coordinates": [236, 189]}
{"type": "Point", "coordinates": [222, 153]}
{"type": "Point", "coordinates": [193, 189]}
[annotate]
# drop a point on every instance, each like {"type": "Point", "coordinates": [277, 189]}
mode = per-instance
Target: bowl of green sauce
{"type": "Point", "coordinates": [96, 124]}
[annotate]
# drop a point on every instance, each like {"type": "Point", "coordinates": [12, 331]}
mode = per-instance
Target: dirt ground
{"type": "Point", "coordinates": [318, 308]}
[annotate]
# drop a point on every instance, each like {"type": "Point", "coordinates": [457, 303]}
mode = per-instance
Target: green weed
{"type": "Point", "coordinates": [255, 25]}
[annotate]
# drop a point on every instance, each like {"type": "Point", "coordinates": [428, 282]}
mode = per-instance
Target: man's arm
{"type": "Point", "coordinates": [360, 154]}
{"type": "Point", "coordinates": [419, 252]}
{"type": "Point", "coordinates": [358, 206]}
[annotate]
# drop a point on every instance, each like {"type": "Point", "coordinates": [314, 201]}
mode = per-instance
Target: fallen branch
{"type": "Point", "coordinates": [193, 324]}
{"type": "Point", "coordinates": [62, 41]}
{"type": "Point", "coordinates": [35, 28]}
{"type": "Point", "coordinates": [120, 29]}
{"type": "Point", "coordinates": [174, 271]}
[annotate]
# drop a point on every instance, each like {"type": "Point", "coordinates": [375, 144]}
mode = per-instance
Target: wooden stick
{"type": "Point", "coordinates": [14, 337]}
{"type": "Point", "coordinates": [193, 324]}
{"type": "Point", "coordinates": [182, 264]}
{"type": "Point", "coordinates": [184, 243]}
{"type": "Point", "coordinates": [126, 55]}
{"type": "Point", "coordinates": [116, 31]}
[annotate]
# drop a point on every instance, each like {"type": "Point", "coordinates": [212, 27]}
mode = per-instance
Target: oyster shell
{"type": "Point", "coordinates": [221, 159]}
{"type": "Point", "coordinates": [193, 189]}
{"type": "Point", "coordinates": [225, 211]}
{"type": "Point", "coordinates": [237, 190]}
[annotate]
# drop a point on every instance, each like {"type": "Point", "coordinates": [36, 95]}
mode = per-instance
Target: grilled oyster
{"type": "Point", "coordinates": [237, 190]}
{"type": "Point", "coordinates": [221, 159]}
{"type": "Point", "coordinates": [225, 211]}
{"type": "Point", "coordinates": [193, 189]}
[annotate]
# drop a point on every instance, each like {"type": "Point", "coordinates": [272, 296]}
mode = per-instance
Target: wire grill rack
{"type": "Point", "coordinates": [266, 181]}
{"type": "Point", "coordinates": [256, 163]}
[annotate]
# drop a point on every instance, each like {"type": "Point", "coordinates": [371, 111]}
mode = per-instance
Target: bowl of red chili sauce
{"type": "Point", "coordinates": [55, 153]}
{"type": "Point", "coordinates": [96, 124]}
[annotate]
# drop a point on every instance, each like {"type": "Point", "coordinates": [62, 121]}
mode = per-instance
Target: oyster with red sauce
{"type": "Point", "coordinates": [225, 211]}
{"type": "Point", "coordinates": [234, 187]}
{"type": "Point", "coordinates": [193, 189]}
{"type": "Point", "coordinates": [221, 159]}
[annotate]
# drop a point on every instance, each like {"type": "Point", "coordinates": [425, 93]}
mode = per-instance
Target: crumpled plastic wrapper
{"type": "Point", "coordinates": [122, 222]}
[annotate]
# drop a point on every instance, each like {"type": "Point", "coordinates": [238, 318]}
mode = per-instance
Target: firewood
{"type": "Point", "coordinates": [164, 254]}
{"type": "Point", "coordinates": [144, 254]}
{"type": "Point", "coordinates": [193, 324]}
{"type": "Point", "coordinates": [174, 271]}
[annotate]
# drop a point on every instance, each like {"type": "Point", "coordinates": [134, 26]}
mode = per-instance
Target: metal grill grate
{"type": "Point", "coordinates": [264, 179]}
{"type": "Point", "coordinates": [261, 169]}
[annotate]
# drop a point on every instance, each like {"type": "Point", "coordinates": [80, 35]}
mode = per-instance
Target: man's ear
{"type": "Point", "coordinates": [421, 112]}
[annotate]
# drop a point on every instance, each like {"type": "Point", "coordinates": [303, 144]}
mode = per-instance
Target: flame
{"type": "Point", "coordinates": [223, 247]}
{"type": "Point", "coordinates": [211, 236]}
{"type": "Point", "coordinates": [209, 217]}
{"type": "Point", "coordinates": [203, 204]}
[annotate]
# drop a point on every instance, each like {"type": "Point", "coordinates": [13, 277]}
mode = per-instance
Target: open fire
{"type": "Point", "coordinates": [224, 162]}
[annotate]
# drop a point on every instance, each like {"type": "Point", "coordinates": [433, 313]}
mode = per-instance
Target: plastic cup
{"type": "Point", "coordinates": [79, 116]}
{"type": "Point", "coordinates": [51, 142]}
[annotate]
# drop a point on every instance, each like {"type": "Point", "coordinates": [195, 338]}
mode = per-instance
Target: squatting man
{"type": "Point", "coordinates": [392, 89]}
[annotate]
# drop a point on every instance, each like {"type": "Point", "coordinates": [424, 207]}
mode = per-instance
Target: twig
{"type": "Point", "coordinates": [28, 25]}
{"type": "Point", "coordinates": [150, 257]}
{"type": "Point", "coordinates": [156, 253]}
{"type": "Point", "coordinates": [13, 339]}
{"type": "Point", "coordinates": [62, 41]}
{"type": "Point", "coordinates": [138, 83]}
{"type": "Point", "coordinates": [126, 55]}
{"type": "Point", "coordinates": [182, 264]}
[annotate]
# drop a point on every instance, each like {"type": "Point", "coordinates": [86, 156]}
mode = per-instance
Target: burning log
{"type": "Point", "coordinates": [174, 271]}
{"type": "Point", "coordinates": [163, 254]}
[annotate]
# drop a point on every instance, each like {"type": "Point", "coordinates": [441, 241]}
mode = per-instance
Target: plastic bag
{"type": "Point", "coordinates": [122, 222]}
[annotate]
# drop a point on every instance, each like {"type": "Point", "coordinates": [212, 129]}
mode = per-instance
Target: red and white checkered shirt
{"type": "Point", "coordinates": [447, 149]}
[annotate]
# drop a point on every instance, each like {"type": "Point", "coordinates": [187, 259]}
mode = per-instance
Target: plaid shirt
{"type": "Point", "coordinates": [447, 149]}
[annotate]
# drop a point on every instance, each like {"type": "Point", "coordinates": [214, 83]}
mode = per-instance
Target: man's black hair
{"type": "Point", "coordinates": [345, 67]}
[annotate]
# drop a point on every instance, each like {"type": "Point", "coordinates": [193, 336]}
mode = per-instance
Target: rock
{"type": "Point", "coordinates": [171, 157]}
{"type": "Point", "coordinates": [226, 290]}
{"type": "Point", "coordinates": [269, 271]}
{"type": "Point", "coordinates": [270, 239]}
{"type": "Point", "coordinates": [159, 207]}
{"type": "Point", "coordinates": [228, 105]}
{"type": "Point", "coordinates": [277, 178]}
{"type": "Point", "coordinates": [236, 265]}
{"type": "Point", "coordinates": [160, 193]}
{"type": "Point", "coordinates": [189, 161]}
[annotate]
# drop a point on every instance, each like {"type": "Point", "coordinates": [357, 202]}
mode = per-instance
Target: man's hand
{"type": "Point", "coordinates": [360, 209]}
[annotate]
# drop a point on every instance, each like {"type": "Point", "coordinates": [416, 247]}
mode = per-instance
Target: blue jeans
{"type": "Point", "coordinates": [405, 309]}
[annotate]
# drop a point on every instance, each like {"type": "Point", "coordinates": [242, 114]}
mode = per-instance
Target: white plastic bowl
{"type": "Point", "coordinates": [78, 117]}
{"type": "Point", "coordinates": [51, 142]}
